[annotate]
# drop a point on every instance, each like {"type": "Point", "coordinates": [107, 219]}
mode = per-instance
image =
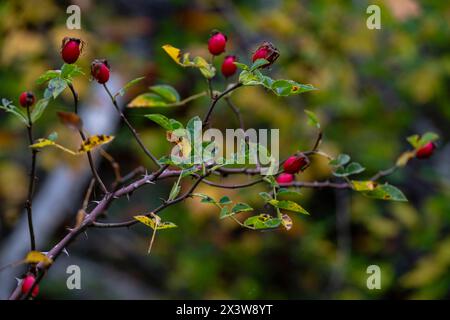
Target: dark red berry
{"type": "Point", "coordinates": [27, 99]}
{"type": "Point", "coordinates": [71, 49]}
{"type": "Point", "coordinates": [295, 163]}
{"type": "Point", "coordinates": [266, 51]}
{"type": "Point", "coordinates": [100, 70]}
{"type": "Point", "coordinates": [426, 151]}
{"type": "Point", "coordinates": [228, 66]}
{"type": "Point", "coordinates": [216, 43]}
{"type": "Point", "coordinates": [285, 178]}
{"type": "Point", "coordinates": [27, 283]}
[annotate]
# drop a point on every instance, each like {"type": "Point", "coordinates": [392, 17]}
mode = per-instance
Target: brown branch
{"type": "Point", "coordinates": [29, 201]}
{"type": "Point", "coordinates": [236, 111]}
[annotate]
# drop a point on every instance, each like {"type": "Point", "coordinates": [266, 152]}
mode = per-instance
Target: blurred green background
{"type": "Point", "coordinates": [376, 87]}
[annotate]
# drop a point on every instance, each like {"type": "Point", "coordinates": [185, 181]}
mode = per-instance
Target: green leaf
{"type": "Point", "coordinates": [55, 87]}
{"type": "Point", "coordinates": [53, 136]}
{"type": "Point", "coordinates": [287, 192]}
{"type": "Point", "coordinates": [16, 111]}
{"type": "Point", "coordinates": [290, 87]}
{"type": "Point", "coordinates": [341, 160]}
{"type": "Point", "coordinates": [312, 119]}
{"type": "Point", "coordinates": [258, 64]}
{"type": "Point", "coordinates": [352, 168]}
{"type": "Point", "coordinates": [70, 71]}
{"type": "Point", "coordinates": [207, 70]}
{"type": "Point", "coordinates": [288, 205]}
{"type": "Point", "coordinates": [225, 200]}
{"type": "Point", "coordinates": [39, 109]}
{"type": "Point", "coordinates": [159, 96]}
{"type": "Point", "coordinates": [266, 196]}
{"type": "Point", "coordinates": [241, 207]}
{"type": "Point", "coordinates": [225, 213]}
{"type": "Point", "coordinates": [205, 198]}
{"type": "Point", "coordinates": [160, 119]}
{"type": "Point", "coordinates": [48, 75]}
{"type": "Point", "coordinates": [124, 89]}
{"type": "Point", "coordinates": [385, 192]}
{"type": "Point", "coordinates": [419, 141]}
{"type": "Point", "coordinates": [262, 221]}
{"type": "Point", "coordinates": [241, 65]}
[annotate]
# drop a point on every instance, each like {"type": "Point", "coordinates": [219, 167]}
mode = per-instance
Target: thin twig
{"type": "Point", "coordinates": [133, 131]}
{"type": "Point", "coordinates": [237, 112]}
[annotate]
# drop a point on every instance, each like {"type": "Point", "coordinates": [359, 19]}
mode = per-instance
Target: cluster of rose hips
{"type": "Point", "coordinates": [216, 46]}
{"type": "Point", "coordinates": [291, 166]}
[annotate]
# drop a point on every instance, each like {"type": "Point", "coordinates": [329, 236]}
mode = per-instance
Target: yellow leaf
{"type": "Point", "coordinates": [173, 52]}
{"type": "Point", "coordinates": [364, 185]}
{"type": "Point", "coordinates": [37, 257]}
{"type": "Point", "coordinates": [154, 220]}
{"type": "Point", "coordinates": [94, 141]}
{"type": "Point", "coordinates": [42, 143]}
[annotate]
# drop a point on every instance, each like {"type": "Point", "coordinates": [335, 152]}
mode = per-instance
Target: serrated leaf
{"type": "Point", "coordinates": [288, 205]}
{"type": "Point", "coordinates": [386, 192]}
{"type": "Point", "coordinates": [127, 86]}
{"type": "Point", "coordinates": [160, 119]}
{"type": "Point", "coordinates": [93, 142]}
{"type": "Point", "coordinates": [38, 257]}
{"type": "Point", "coordinates": [312, 119]}
{"type": "Point", "coordinates": [262, 221]}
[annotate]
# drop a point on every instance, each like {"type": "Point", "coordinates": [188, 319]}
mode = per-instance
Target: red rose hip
{"type": "Point", "coordinates": [426, 151]}
{"type": "Point", "coordinates": [285, 178]}
{"type": "Point", "coordinates": [228, 66]}
{"type": "Point", "coordinates": [27, 283]}
{"type": "Point", "coordinates": [71, 49]}
{"type": "Point", "coordinates": [27, 99]}
{"type": "Point", "coordinates": [216, 43]}
{"type": "Point", "coordinates": [266, 51]}
{"type": "Point", "coordinates": [295, 163]}
{"type": "Point", "coordinates": [100, 70]}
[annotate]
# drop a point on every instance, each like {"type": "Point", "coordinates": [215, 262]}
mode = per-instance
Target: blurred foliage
{"type": "Point", "coordinates": [376, 87]}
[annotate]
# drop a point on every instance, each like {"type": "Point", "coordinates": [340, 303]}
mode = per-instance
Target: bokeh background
{"type": "Point", "coordinates": [376, 87]}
